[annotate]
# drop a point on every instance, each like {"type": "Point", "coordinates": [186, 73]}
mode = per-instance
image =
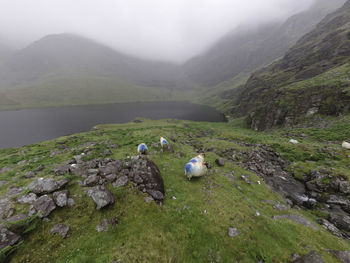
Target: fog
{"type": "Point", "coordinates": [172, 30]}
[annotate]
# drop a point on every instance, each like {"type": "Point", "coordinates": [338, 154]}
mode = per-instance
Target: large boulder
{"type": "Point", "coordinates": [46, 185]}
{"type": "Point", "coordinates": [101, 196]}
{"type": "Point", "coordinates": [26, 199]}
{"type": "Point", "coordinates": [44, 205]}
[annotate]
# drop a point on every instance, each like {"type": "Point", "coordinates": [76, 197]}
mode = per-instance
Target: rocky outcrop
{"type": "Point", "coordinates": [46, 185]}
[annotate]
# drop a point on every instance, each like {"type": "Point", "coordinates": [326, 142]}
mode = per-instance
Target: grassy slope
{"type": "Point", "coordinates": [180, 230]}
{"type": "Point", "coordinates": [80, 90]}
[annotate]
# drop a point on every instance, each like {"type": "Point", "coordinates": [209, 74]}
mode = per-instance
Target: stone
{"type": "Point", "coordinates": [341, 221]}
{"type": "Point", "coordinates": [44, 205]}
{"type": "Point", "coordinates": [111, 177]}
{"type": "Point", "coordinates": [62, 183]}
{"type": "Point", "coordinates": [101, 196]}
{"type": "Point", "coordinates": [75, 169]}
{"type": "Point", "coordinates": [61, 198]}
{"type": "Point", "coordinates": [13, 191]}
{"type": "Point", "coordinates": [312, 257]}
{"type": "Point", "coordinates": [245, 179]}
{"type": "Point", "coordinates": [7, 238]}
{"type": "Point", "coordinates": [6, 209]}
{"type": "Point", "coordinates": [29, 174]}
{"type": "Point", "coordinates": [330, 227]}
{"type": "Point", "coordinates": [91, 180]}
{"type": "Point", "coordinates": [280, 207]}
{"type": "Point", "coordinates": [157, 195]}
{"type": "Point", "coordinates": [43, 186]}
{"type": "Point", "coordinates": [70, 202]}
{"type": "Point", "coordinates": [297, 219]}
{"type": "Point", "coordinates": [344, 187]}
{"type": "Point", "coordinates": [26, 199]}
{"type": "Point", "coordinates": [107, 152]}
{"type": "Point", "coordinates": [343, 256]}
{"type": "Point", "coordinates": [148, 199]}
{"type": "Point", "coordinates": [232, 232]}
{"type": "Point", "coordinates": [122, 181]}
{"type": "Point", "coordinates": [60, 229]}
{"type": "Point", "coordinates": [40, 168]}
{"type": "Point", "coordinates": [102, 226]}
{"type": "Point", "coordinates": [220, 162]}
{"type": "Point", "coordinates": [61, 170]}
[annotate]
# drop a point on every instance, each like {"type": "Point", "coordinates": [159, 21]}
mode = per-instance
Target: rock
{"type": "Point", "coordinates": [293, 141]}
{"type": "Point", "coordinates": [61, 170]}
{"type": "Point", "coordinates": [40, 168]}
{"type": "Point", "coordinates": [43, 186]}
{"type": "Point", "coordinates": [7, 238]}
{"type": "Point", "coordinates": [343, 256]}
{"type": "Point", "coordinates": [44, 205]}
{"type": "Point", "coordinates": [101, 196]}
{"type": "Point", "coordinates": [297, 219]}
{"type": "Point", "coordinates": [111, 177]}
{"type": "Point", "coordinates": [245, 179]}
{"type": "Point", "coordinates": [70, 202]}
{"type": "Point", "coordinates": [220, 162]}
{"type": "Point", "coordinates": [16, 218]}
{"type": "Point", "coordinates": [344, 187]}
{"type": "Point", "coordinates": [62, 183]}
{"type": "Point", "coordinates": [232, 232]}
{"type": "Point", "coordinates": [148, 199]}
{"type": "Point", "coordinates": [280, 207]}
{"type": "Point", "coordinates": [312, 257]}
{"type": "Point", "coordinates": [330, 227]}
{"type": "Point", "coordinates": [341, 221]}
{"type": "Point", "coordinates": [26, 199]}
{"type": "Point", "coordinates": [29, 174]}
{"type": "Point", "coordinates": [60, 229]}
{"type": "Point", "coordinates": [61, 198]}
{"type": "Point", "coordinates": [107, 152]}
{"type": "Point", "coordinates": [13, 191]}
{"type": "Point", "coordinates": [6, 209]}
{"type": "Point", "coordinates": [102, 226]}
{"type": "Point", "coordinates": [157, 195]}
{"type": "Point", "coordinates": [91, 180]}
{"type": "Point", "coordinates": [122, 181]}
{"type": "Point", "coordinates": [338, 200]}
{"type": "Point", "coordinates": [75, 169]}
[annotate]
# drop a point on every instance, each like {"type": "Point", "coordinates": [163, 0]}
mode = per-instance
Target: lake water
{"type": "Point", "coordinates": [23, 127]}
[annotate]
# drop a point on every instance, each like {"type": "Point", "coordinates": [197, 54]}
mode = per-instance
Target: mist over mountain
{"type": "Point", "coordinates": [65, 55]}
{"type": "Point", "coordinates": [248, 48]}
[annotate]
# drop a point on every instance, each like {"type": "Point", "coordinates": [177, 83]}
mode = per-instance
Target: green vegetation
{"type": "Point", "coordinates": [193, 227]}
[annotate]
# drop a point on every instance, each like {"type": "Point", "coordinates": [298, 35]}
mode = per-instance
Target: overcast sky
{"type": "Point", "coordinates": [159, 29]}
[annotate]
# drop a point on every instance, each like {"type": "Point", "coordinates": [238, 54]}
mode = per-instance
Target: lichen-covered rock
{"type": "Point", "coordinates": [44, 205]}
{"type": "Point", "coordinates": [7, 238]}
{"type": "Point", "coordinates": [43, 186]}
{"type": "Point", "coordinates": [101, 196]}
{"type": "Point", "coordinates": [61, 198]}
{"type": "Point", "coordinates": [60, 229]}
{"type": "Point", "coordinates": [26, 199]}
{"type": "Point", "coordinates": [91, 180]}
{"type": "Point", "coordinates": [312, 257]}
{"type": "Point", "coordinates": [122, 181]}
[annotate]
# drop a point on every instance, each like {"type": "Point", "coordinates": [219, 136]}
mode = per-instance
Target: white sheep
{"type": "Point", "coordinates": [142, 148]}
{"type": "Point", "coordinates": [346, 145]}
{"type": "Point", "coordinates": [163, 142]}
{"type": "Point", "coordinates": [195, 169]}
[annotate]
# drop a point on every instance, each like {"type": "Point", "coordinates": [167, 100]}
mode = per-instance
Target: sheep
{"type": "Point", "coordinates": [346, 145]}
{"type": "Point", "coordinates": [163, 142]}
{"type": "Point", "coordinates": [195, 169]}
{"type": "Point", "coordinates": [142, 148]}
{"type": "Point", "coordinates": [198, 158]}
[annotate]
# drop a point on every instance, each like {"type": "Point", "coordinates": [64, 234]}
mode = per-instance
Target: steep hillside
{"type": "Point", "coordinates": [313, 77]}
{"type": "Point", "coordinates": [57, 55]}
{"type": "Point", "coordinates": [246, 49]}
{"type": "Point", "coordinates": [95, 203]}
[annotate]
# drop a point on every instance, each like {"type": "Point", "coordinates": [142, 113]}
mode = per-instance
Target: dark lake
{"type": "Point", "coordinates": [22, 127]}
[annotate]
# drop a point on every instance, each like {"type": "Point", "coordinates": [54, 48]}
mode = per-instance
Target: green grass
{"type": "Point", "coordinates": [191, 228]}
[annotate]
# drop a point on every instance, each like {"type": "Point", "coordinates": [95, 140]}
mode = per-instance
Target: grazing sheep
{"type": "Point", "coordinates": [163, 142]}
{"type": "Point", "coordinates": [346, 145]}
{"type": "Point", "coordinates": [195, 169]}
{"type": "Point", "coordinates": [142, 148]}
{"type": "Point", "coordinates": [199, 158]}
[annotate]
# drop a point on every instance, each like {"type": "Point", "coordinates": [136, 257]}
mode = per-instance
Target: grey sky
{"type": "Point", "coordinates": [158, 29]}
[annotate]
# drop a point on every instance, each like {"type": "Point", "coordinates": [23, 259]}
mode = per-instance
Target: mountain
{"type": "Point", "coordinates": [59, 55]}
{"type": "Point", "coordinates": [5, 52]}
{"type": "Point", "coordinates": [247, 48]}
{"type": "Point", "coordinates": [312, 77]}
